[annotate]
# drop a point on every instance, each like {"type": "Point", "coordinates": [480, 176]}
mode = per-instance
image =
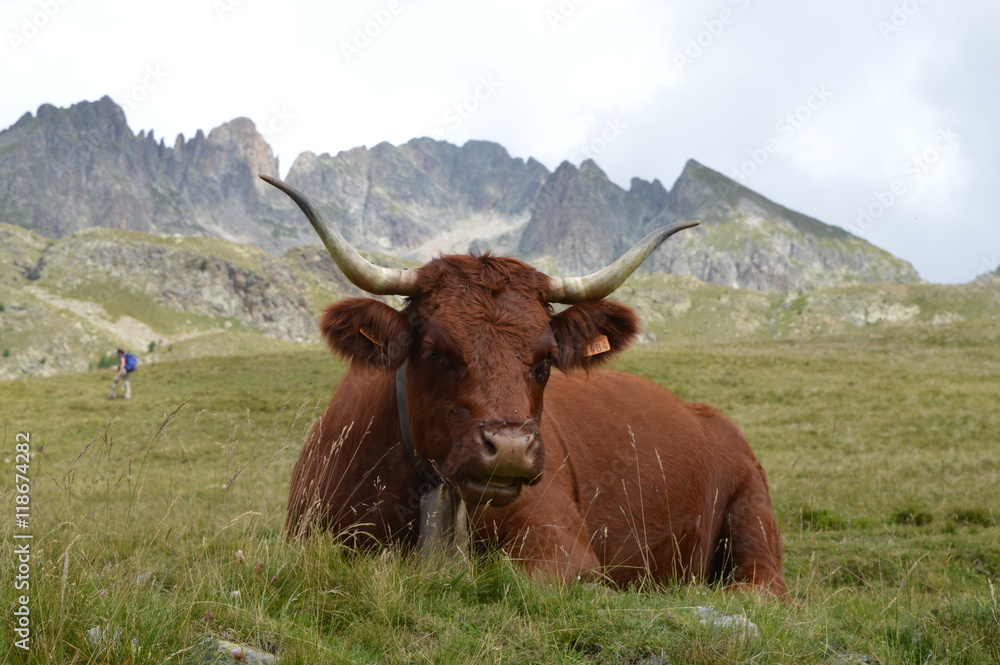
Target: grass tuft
{"type": "Point", "coordinates": [820, 519]}
{"type": "Point", "coordinates": [912, 515]}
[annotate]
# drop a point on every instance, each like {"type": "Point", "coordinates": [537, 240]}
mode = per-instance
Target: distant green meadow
{"type": "Point", "coordinates": [158, 522]}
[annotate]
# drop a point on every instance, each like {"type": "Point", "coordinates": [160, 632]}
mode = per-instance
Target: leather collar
{"type": "Point", "coordinates": [423, 467]}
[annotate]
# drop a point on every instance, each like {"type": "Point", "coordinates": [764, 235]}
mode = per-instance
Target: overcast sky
{"type": "Point", "coordinates": [879, 116]}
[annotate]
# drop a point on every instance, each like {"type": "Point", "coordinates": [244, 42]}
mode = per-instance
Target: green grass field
{"type": "Point", "coordinates": [159, 521]}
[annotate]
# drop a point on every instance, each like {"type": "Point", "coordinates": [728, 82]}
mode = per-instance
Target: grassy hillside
{"type": "Point", "coordinates": [160, 520]}
{"type": "Point", "coordinates": [65, 304]}
{"type": "Point", "coordinates": [675, 308]}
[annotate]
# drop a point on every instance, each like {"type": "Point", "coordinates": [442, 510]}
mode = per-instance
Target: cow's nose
{"type": "Point", "coordinates": [509, 451]}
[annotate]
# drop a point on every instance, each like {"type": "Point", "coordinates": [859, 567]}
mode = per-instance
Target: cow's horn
{"type": "Point", "coordinates": [602, 283]}
{"type": "Point", "coordinates": [363, 273]}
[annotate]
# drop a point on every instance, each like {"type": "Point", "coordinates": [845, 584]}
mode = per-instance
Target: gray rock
{"type": "Point", "coordinates": [735, 622]}
{"type": "Point", "coordinates": [215, 650]}
{"type": "Point", "coordinates": [581, 222]}
{"type": "Point", "coordinates": [70, 169]}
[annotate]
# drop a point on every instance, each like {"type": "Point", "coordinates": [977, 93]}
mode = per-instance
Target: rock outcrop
{"type": "Point", "coordinates": [582, 222]}
{"type": "Point", "coordinates": [69, 169]}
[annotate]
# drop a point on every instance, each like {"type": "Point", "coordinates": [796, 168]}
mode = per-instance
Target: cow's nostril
{"type": "Point", "coordinates": [490, 448]}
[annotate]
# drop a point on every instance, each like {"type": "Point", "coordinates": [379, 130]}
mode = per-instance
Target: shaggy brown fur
{"type": "Point", "coordinates": [618, 478]}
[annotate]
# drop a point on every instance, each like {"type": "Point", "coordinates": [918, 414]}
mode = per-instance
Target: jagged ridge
{"type": "Point", "coordinates": [69, 169]}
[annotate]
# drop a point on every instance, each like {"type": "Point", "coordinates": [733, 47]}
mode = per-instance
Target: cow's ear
{"type": "Point", "coordinates": [367, 331]}
{"type": "Point", "coordinates": [589, 334]}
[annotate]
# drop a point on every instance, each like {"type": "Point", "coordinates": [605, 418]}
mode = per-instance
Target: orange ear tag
{"type": "Point", "coordinates": [599, 345]}
{"type": "Point", "coordinates": [370, 337]}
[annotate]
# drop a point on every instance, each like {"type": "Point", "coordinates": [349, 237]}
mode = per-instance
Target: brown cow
{"type": "Point", "coordinates": [618, 479]}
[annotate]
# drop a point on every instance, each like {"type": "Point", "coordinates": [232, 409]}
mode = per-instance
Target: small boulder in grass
{"type": "Point", "coordinates": [217, 651]}
{"type": "Point", "coordinates": [99, 636]}
{"type": "Point", "coordinates": [145, 578]}
{"type": "Point", "coordinates": [738, 622]}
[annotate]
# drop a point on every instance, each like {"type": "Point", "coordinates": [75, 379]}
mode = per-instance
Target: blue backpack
{"type": "Point", "coordinates": [130, 362]}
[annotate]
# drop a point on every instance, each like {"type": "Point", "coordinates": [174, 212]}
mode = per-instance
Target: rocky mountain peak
{"type": "Point", "coordinates": [696, 192]}
{"type": "Point", "coordinates": [240, 136]}
{"type": "Point", "coordinates": [590, 169]}
{"type": "Point", "coordinates": [82, 166]}
{"type": "Point", "coordinates": [235, 151]}
{"type": "Point", "coordinates": [581, 222]}
{"type": "Point", "coordinates": [72, 168]}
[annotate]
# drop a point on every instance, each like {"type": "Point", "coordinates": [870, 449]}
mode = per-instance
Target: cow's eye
{"type": "Point", "coordinates": [439, 360]}
{"type": "Point", "coordinates": [541, 371]}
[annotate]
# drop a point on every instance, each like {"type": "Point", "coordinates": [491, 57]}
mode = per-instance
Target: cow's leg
{"type": "Point", "coordinates": [756, 544]}
{"type": "Point", "coordinates": [554, 552]}
{"type": "Point", "coordinates": [544, 534]}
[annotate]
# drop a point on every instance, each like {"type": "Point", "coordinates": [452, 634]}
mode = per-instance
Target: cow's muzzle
{"type": "Point", "coordinates": [509, 457]}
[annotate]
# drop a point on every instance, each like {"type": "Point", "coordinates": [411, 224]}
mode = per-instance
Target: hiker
{"type": "Point", "coordinates": [126, 365]}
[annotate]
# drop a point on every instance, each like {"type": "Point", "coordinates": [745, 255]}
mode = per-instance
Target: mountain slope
{"type": "Point", "coordinates": [74, 299]}
{"type": "Point", "coordinates": [70, 169]}
{"type": "Point", "coordinates": [745, 240]}
{"type": "Point", "coordinates": [66, 303]}
{"type": "Point", "coordinates": [64, 170]}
